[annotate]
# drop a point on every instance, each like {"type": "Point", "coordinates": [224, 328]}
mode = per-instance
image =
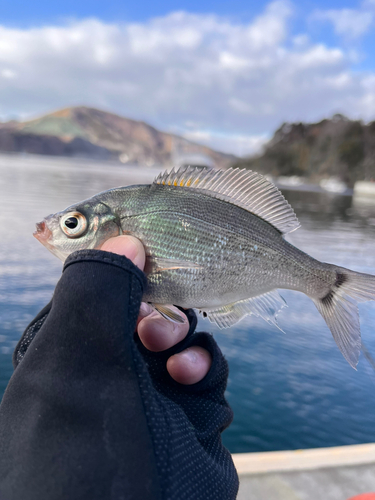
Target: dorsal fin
{"type": "Point", "coordinates": [242, 187]}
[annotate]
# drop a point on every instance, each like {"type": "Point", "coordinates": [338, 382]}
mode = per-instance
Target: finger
{"type": "Point", "coordinates": [189, 366]}
{"type": "Point", "coordinates": [128, 246]}
{"type": "Point", "coordinates": [144, 310]}
{"type": "Point", "coordinates": [157, 333]}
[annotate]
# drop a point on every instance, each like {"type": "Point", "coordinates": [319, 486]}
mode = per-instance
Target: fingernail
{"type": "Point", "coordinates": [190, 355]}
{"type": "Point", "coordinates": [128, 247]}
{"type": "Point", "coordinates": [177, 326]}
{"type": "Point", "coordinates": [134, 251]}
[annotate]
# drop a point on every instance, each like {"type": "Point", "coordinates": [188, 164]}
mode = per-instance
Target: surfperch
{"type": "Point", "coordinates": [214, 241]}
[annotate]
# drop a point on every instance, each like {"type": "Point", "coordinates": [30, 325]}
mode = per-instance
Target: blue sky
{"type": "Point", "coordinates": [223, 73]}
{"type": "Point", "coordinates": [25, 13]}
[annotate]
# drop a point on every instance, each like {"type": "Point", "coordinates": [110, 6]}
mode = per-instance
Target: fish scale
{"type": "Point", "coordinates": [220, 231]}
{"type": "Point", "coordinates": [214, 241]}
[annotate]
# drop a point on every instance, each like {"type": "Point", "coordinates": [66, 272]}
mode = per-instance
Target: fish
{"type": "Point", "coordinates": [214, 241]}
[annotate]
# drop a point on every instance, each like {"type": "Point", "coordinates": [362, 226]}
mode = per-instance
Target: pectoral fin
{"type": "Point", "coordinates": [266, 306]}
{"type": "Point", "coordinates": [168, 313]}
{"type": "Point", "coordinates": [158, 264]}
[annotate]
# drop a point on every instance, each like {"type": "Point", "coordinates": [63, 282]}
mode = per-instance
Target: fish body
{"type": "Point", "coordinates": [214, 242]}
{"type": "Point", "coordinates": [235, 254]}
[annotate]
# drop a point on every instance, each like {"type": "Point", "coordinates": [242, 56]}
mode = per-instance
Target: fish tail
{"type": "Point", "coordinates": [340, 311]}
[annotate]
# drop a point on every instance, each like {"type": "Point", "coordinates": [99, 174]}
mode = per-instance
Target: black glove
{"type": "Point", "coordinates": [91, 414]}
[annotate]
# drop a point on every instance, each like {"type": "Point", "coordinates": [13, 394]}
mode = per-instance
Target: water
{"type": "Point", "coordinates": [287, 391]}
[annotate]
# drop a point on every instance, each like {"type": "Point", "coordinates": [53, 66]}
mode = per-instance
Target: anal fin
{"type": "Point", "coordinates": [266, 306]}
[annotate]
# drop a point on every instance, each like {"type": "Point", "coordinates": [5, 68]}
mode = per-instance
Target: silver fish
{"type": "Point", "coordinates": [214, 242]}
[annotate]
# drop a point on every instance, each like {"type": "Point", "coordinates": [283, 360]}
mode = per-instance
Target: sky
{"type": "Point", "coordinates": [226, 74]}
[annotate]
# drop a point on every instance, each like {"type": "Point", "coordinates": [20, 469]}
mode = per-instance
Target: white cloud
{"type": "Point", "coordinates": [8, 73]}
{"type": "Point", "coordinates": [350, 23]}
{"type": "Point", "coordinates": [240, 145]}
{"type": "Point", "coordinates": [239, 79]}
{"type": "Point", "coordinates": [340, 81]}
{"type": "Point", "coordinates": [241, 106]}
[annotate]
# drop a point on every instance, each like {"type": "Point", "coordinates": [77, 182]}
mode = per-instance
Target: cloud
{"type": "Point", "coordinates": [349, 23]}
{"type": "Point", "coordinates": [239, 81]}
{"type": "Point", "coordinates": [240, 145]}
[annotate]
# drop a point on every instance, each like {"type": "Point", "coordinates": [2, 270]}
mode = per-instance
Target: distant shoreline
{"type": "Point", "coordinates": [80, 162]}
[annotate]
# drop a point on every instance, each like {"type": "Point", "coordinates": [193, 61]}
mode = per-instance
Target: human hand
{"type": "Point", "coordinates": [158, 334]}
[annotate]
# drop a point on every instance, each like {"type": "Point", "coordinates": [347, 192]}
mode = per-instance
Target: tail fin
{"type": "Point", "coordinates": [340, 311]}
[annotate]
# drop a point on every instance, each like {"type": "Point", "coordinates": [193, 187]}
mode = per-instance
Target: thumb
{"type": "Point", "coordinates": [128, 246]}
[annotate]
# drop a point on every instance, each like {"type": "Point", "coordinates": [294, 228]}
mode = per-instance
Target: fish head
{"type": "Point", "coordinates": [84, 226]}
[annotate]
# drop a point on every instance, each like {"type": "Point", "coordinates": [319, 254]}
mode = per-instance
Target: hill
{"type": "Point", "coordinates": [89, 132]}
{"type": "Point", "coordinates": [337, 147]}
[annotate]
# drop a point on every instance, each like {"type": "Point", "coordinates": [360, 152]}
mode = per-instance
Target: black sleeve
{"type": "Point", "coordinates": [90, 414]}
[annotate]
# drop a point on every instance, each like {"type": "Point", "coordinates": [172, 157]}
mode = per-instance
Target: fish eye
{"type": "Point", "coordinates": [73, 224]}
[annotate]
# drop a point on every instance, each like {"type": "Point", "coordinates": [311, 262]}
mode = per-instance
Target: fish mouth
{"type": "Point", "coordinates": [42, 233]}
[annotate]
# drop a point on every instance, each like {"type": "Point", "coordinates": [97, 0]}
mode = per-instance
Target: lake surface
{"type": "Point", "coordinates": [292, 390]}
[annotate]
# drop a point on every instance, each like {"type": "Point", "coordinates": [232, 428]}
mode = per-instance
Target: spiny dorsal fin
{"type": "Point", "coordinates": [242, 187]}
